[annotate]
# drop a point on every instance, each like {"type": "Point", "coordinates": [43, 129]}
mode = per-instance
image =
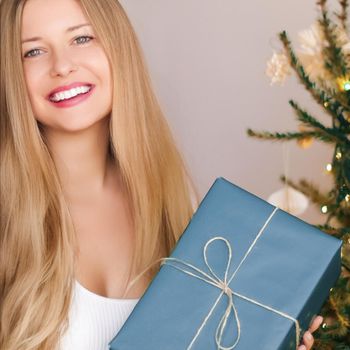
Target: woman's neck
{"type": "Point", "coordinates": [82, 159]}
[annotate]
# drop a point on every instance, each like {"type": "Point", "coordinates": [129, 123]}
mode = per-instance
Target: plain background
{"type": "Point", "coordinates": [207, 62]}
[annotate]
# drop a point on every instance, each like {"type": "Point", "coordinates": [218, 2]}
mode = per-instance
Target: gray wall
{"type": "Point", "coordinates": [207, 61]}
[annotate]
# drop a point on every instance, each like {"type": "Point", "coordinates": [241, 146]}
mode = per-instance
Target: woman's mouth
{"type": "Point", "coordinates": [71, 97]}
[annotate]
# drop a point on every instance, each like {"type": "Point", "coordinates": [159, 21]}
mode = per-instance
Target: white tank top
{"type": "Point", "coordinates": [94, 320]}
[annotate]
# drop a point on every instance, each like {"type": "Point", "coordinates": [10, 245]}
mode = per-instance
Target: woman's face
{"type": "Point", "coordinates": [63, 59]}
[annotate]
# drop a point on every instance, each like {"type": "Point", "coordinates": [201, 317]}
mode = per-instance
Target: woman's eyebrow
{"type": "Point", "coordinates": [70, 29]}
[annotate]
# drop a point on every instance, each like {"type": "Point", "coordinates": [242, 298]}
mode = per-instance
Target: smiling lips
{"type": "Point", "coordinates": [70, 95]}
{"type": "Point", "coordinates": [67, 94]}
{"type": "Point", "coordinates": [69, 91]}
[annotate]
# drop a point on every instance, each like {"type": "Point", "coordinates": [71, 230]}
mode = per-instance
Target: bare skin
{"type": "Point", "coordinates": [105, 236]}
{"type": "Point", "coordinates": [101, 215]}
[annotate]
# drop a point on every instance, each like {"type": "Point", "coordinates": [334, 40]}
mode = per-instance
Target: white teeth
{"type": "Point", "coordinates": [64, 95]}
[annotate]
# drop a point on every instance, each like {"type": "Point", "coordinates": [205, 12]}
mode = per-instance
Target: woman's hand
{"type": "Point", "coordinates": [308, 339]}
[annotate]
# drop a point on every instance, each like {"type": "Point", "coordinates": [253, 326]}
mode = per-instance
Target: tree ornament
{"type": "Point", "coordinates": [312, 42]}
{"type": "Point", "coordinates": [307, 141]}
{"type": "Point", "coordinates": [289, 200]}
{"type": "Point", "coordinates": [278, 68]}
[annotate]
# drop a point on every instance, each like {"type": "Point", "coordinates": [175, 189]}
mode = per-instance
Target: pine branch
{"type": "Point", "coordinates": [265, 135]}
{"type": "Point", "coordinates": [336, 312]}
{"type": "Point", "coordinates": [327, 344]}
{"type": "Point", "coordinates": [345, 172]}
{"type": "Point", "coordinates": [307, 119]}
{"type": "Point", "coordinates": [317, 198]}
{"type": "Point", "coordinates": [333, 230]}
{"type": "Point", "coordinates": [309, 190]}
{"type": "Point", "coordinates": [335, 60]}
{"type": "Point", "coordinates": [335, 333]}
{"type": "Point", "coordinates": [343, 216]}
{"type": "Point", "coordinates": [346, 257]}
{"type": "Point", "coordinates": [340, 100]}
{"type": "Point", "coordinates": [324, 99]}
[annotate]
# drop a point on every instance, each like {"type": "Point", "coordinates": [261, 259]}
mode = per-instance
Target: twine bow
{"type": "Point", "coordinates": [224, 286]}
{"type": "Point", "coordinates": [215, 280]}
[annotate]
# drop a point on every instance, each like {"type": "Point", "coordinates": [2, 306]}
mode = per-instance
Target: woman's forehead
{"type": "Point", "coordinates": [50, 16]}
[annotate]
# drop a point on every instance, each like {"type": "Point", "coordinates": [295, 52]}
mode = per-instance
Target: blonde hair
{"type": "Point", "coordinates": [37, 238]}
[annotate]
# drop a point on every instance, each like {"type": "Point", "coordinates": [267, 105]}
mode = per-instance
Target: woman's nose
{"type": "Point", "coordinates": [62, 64]}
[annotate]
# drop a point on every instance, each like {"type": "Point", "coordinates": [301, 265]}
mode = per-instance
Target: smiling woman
{"type": "Point", "coordinates": [54, 47]}
{"type": "Point", "coordinates": [93, 188]}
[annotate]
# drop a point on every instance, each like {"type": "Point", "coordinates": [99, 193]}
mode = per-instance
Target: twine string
{"type": "Point", "coordinates": [223, 284]}
{"type": "Point", "coordinates": [213, 279]}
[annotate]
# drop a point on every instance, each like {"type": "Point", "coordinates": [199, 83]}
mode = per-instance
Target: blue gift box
{"type": "Point", "coordinates": [244, 275]}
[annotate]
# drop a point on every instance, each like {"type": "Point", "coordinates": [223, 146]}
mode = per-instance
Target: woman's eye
{"type": "Point", "coordinates": [84, 37]}
{"type": "Point", "coordinates": [30, 53]}
{"type": "Point", "coordinates": [80, 40]}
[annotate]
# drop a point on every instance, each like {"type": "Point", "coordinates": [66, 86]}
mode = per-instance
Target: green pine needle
{"type": "Point", "coordinates": [307, 119]}
{"type": "Point", "coordinates": [277, 136]}
{"type": "Point", "coordinates": [335, 59]}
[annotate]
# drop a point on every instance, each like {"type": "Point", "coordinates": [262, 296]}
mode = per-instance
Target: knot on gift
{"type": "Point", "coordinates": [226, 289]}
{"type": "Point", "coordinates": [211, 278]}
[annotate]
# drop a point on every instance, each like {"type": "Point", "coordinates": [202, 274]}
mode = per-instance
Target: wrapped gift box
{"type": "Point", "coordinates": [276, 278]}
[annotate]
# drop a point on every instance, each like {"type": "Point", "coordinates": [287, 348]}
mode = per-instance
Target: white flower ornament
{"type": "Point", "coordinates": [278, 68]}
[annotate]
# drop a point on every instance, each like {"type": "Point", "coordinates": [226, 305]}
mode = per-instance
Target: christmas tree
{"type": "Point", "coordinates": [322, 65]}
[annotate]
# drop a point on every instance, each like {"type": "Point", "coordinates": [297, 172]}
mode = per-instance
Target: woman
{"type": "Point", "coordinates": [93, 188]}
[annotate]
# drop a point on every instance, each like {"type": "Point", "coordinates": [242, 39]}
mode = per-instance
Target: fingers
{"type": "Point", "coordinates": [316, 323]}
{"type": "Point", "coordinates": [308, 340]}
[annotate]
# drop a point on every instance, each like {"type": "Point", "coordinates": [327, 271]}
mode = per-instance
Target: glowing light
{"type": "Point", "coordinates": [347, 198]}
{"type": "Point", "coordinates": [338, 155]}
{"type": "Point", "coordinates": [329, 167]}
{"type": "Point", "coordinates": [344, 83]}
{"type": "Point", "coordinates": [324, 209]}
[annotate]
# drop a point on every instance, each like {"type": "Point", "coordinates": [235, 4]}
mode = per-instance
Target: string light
{"type": "Point", "coordinates": [324, 325]}
{"type": "Point", "coordinates": [347, 198]}
{"type": "Point", "coordinates": [329, 167]}
{"type": "Point", "coordinates": [324, 209]}
{"type": "Point", "coordinates": [326, 104]}
{"type": "Point", "coordinates": [338, 155]}
{"type": "Point", "coordinates": [344, 83]}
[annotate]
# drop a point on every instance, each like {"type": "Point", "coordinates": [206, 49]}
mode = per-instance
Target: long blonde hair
{"type": "Point", "coordinates": [37, 238]}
